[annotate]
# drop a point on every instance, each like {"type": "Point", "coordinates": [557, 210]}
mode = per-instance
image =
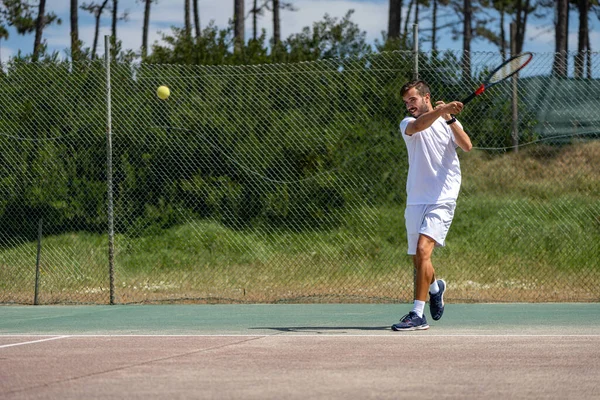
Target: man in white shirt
{"type": "Point", "coordinates": [432, 135]}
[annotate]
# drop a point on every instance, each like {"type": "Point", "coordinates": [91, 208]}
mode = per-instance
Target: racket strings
{"type": "Point", "coordinates": [511, 67]}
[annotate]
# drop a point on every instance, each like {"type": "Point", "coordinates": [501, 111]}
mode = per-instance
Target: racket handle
{"type": "Point", "coordinates": [468, 99]}
{"type": "Point", "coordinates": [476, 93]}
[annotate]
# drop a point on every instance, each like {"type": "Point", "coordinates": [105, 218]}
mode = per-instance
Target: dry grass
{"type": "Point", "coordinates": [527, 229]}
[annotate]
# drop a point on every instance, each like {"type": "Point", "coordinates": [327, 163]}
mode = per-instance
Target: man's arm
{"type": "Point", "coordinates": [427, 119]}
{"type": "Point", "coordinates": [462, 138]}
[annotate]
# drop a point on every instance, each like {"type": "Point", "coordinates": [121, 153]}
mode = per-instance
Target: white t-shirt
{"type": "Point", "coordinates": [433, 166]}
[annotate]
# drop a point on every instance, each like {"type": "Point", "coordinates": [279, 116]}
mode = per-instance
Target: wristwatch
{"type": "Point", "coordinates": [451, 121]}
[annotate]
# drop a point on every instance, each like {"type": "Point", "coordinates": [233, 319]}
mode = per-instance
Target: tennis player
{"type": "Point", "coordinates": [432, 135]}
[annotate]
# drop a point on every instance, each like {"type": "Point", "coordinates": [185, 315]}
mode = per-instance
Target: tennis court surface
{"type": "Point", "coordinates": [328, 351]}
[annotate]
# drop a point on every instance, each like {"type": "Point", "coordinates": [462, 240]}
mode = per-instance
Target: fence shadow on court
{"type": "Point", "coordinates": [323, 329]}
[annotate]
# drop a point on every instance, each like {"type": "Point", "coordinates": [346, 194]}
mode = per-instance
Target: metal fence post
{"type": "Point", "coordinates": [416, 78]}
{"type": "Point", "coordinates": [37, 263]}
{"type": "Point", "coordinates": [110, 214]}
{"type": "Point", "coordinates": [416, 50]}
{"type": "Point", "coordinates": [514, 97]}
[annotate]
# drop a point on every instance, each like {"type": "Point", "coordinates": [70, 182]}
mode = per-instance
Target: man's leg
{"type": "Point", "coordinates": [415, 320]}
{"type": "Point", "coordinates": [426, 283]}
{"type": "Point", "coordinates": [424, 267]}
{"type": "Point", "coordinates": [436, 225]}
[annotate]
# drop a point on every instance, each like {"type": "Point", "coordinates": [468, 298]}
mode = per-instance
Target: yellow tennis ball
{"type": "Point", "coordinates": [163, 92]}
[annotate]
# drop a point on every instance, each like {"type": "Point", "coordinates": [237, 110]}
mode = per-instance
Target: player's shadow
{"type": "Point", "coordinates": [323, 329]}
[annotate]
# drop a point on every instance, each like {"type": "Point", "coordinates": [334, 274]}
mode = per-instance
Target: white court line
{"type": "Point", "coordinates": [281, 335]}
{"type": "Point", "coordinates": [30, 342]}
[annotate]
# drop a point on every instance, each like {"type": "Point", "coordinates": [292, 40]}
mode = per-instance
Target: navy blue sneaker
{"type": "Point", "coordinates": [411, 322]}
{"type": "Point", "coordinates": [436, 301]}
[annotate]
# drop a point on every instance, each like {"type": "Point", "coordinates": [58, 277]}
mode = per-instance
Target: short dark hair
{"type": "Point", "coordinates": [421, 86]}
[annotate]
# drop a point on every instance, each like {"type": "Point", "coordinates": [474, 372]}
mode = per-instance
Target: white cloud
{"type": "Point", "coordinates": [6, 53]}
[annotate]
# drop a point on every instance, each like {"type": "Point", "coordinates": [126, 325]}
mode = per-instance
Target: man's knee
{"type": "Point", "coordinates": [425, 248]}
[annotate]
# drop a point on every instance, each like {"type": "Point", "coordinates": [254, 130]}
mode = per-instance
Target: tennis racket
{"type": "Point", "coordinates": [507, 69]}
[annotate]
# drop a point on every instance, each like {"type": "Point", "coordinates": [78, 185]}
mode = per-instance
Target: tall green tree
{"type": "Point", "coordinates": [583, 6]}
{"type": "Point", "coordinates": [407, 19]}
{"type": "Point", "coordinates": [256, 11]}
{"type": "Point", "coordinates": [276, 6]}
{"type": "Point", "coordinates": [583, 58]}
{"type": "Point", "coordinates": [42, 21]}
{"type": "Point", "coordinates": [238, 25]}
{"type": "Point", "coordinates": [196, 9]}
{"type": "Point", "coordinates": [75, 43]}
{"type": "Point", "coordinates": [187, 18]}
{"type": "Point", "coordinates": [146, 26]}
{"type": "Point", "coordinates": [502, 6]}
{"type": "Point", "coordinates": [467, 38]}
{"type": "Point", "coordinates": [394, 19]}
{"type": "Point", "coordinates": [521, 10]}
{"type": "Point", "coordinates": [96, 9]}
{"type": "Point", "coordinates": [276, 23]}
{"type": "Point", "coordinates": [559, 67]}
{"type": "Point", "coordinates": [435, 4]}
{"type": "Point", "coordinates": [115, 18]}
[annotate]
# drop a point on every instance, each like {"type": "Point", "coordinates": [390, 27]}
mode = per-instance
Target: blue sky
{"type": "Point", "coordinates": [370, 15]}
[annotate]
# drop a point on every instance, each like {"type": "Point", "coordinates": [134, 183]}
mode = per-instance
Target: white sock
{"type": "Point", "coordinates": [434, 288]}
{"type": "Point", "coordinates": [419, 307]}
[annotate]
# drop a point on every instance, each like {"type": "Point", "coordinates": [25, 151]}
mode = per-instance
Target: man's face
{"type": "Point", "coordinates": [415, 103]}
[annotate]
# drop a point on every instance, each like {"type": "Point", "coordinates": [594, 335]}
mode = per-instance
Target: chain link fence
{"type": "Point", "coordinates": [286, 182]}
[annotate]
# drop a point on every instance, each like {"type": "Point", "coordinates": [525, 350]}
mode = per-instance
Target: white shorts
{"type": "Point", "coordinates": [432, 220]}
